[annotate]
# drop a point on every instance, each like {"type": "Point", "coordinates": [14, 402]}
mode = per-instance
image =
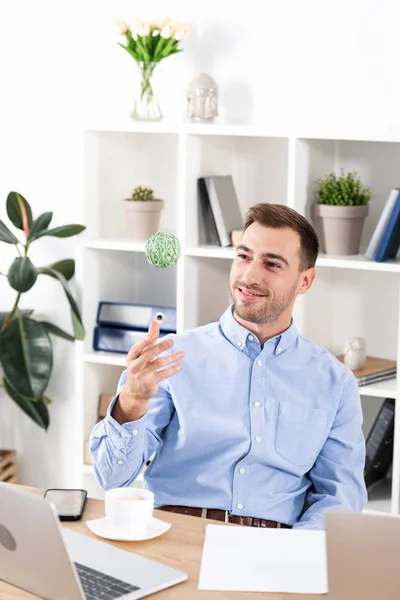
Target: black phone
{"type": "Point", "coordinates": [69, 503]}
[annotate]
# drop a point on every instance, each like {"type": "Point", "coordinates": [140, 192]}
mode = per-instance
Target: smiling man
{"type": "Point", "coordinates": [247, 421]}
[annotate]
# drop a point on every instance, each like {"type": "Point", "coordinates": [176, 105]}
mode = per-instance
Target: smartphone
{"type": "Point", "coordinates": [69, 503]}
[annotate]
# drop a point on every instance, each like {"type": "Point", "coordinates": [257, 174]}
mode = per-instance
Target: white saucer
{"type": "Point", "coordinates": [102, 528]}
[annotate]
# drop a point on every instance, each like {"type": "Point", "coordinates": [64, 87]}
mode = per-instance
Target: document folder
{"type": "Point", "coordinates": [136, 316]}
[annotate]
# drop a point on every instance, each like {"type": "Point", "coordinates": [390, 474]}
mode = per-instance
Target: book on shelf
{"type": "Point", "coordinates": [208, 233]}
{"type": "Point", "coordinates": [375, 370]}
{"type": "Point", "coordinates": [219, 200]}
{"type": "Point", "coordinates": [382, 223]}
{"type": "Point", "coordinates": [390, 241]}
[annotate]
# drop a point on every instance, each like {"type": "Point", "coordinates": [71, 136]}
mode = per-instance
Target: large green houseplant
{"type": "Point", "coordinates": [26, 356]}
{"type": "Point", "coordinates": [342, 206]}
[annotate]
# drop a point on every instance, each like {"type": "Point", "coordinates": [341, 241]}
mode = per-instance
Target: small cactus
{"type": "Point", "coordinates": [142, 193]}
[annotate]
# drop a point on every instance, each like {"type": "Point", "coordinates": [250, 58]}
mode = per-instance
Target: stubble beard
{"type": "Point", "coordinates": [268, 309]}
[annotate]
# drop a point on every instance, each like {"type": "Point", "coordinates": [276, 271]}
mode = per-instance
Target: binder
{"type": "Point", "coordinates": [116, 339]}
{"type": "Point", "coordinates": [136, 316]}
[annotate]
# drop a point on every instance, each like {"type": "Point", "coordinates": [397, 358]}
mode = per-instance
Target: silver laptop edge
{"type": "Point", "coordinates": [38, 555]}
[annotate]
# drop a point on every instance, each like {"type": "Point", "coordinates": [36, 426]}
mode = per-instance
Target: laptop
{"type": "Point", "coordinates": [55, 563]}
{"type": "Point", "coordinates": [363, 556]}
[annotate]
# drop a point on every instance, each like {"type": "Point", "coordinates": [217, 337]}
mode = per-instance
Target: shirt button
{"type": "Point", "coordinates": [134, 432]}
{"type": "Point", "coordinates": [279, 350]}
{"type": "Point", "coordinates": [120, 462]}
{"type": "Point", "coordinates": [239, 344]}
{"type": "Point", "coordinates": [241, 471]}
{"type": "Point", "coordinates": [258, 439]}
{"type": "Point", "coordinates": [257, 404]}
{"type": "Point", "coordinates": [239, 506]}
{"type": "Point", "coordinates": [259, 363]}
{"type": "Point", "coordinates": [251, 338]}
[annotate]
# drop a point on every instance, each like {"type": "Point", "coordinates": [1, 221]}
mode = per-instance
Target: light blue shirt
{"type": "Point", "coordinates": [246, 429]}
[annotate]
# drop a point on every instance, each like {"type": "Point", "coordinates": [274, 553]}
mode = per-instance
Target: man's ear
{"type": "Point", "coordinates": [306, 280]}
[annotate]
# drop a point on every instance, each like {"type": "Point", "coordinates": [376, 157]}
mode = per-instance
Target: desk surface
{"type": "Point", "coordinates": [181, 547]}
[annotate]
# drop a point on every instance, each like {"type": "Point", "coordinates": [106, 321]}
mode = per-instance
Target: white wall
{"type": "Point", "coordinates": [306, 63]}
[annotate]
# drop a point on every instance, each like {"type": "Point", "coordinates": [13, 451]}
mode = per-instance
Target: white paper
{"type": "Point", "coordinates": [250, 559]}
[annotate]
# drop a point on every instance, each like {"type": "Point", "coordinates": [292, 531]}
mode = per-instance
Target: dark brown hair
{"type": "Point", "coordinates": [279, 216]}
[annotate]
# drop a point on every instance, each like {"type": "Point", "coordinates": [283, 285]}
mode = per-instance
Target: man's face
{"type": "Point", "coordinates": [265, 276]}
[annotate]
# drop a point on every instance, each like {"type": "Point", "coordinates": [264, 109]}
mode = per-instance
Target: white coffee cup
{"type": "Point", "coordinates": [129, 509]}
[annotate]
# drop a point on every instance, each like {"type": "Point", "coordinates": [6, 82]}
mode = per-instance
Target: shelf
{"type": "Point", "coordinates": [379, 497]}
{"type": "Point", "coordinates": [358, 262]}
{"type": "Point", "coordinates": [383, 389]}
{"type": "Point", "coordinates": [189, 128]}
{"type": "Point", "coordinates": [105, 358]}
{"type": "Point", "coordinates": [276, 129]}
{"type": "Point", "coordinates": [124, 245]}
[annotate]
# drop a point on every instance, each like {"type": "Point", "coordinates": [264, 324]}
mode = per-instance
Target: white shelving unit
{"type": "Point", "coordinates": [352, 296]}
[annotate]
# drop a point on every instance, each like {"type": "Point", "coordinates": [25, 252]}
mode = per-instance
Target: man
{"type": "Point", "coordinates": [248, 420]}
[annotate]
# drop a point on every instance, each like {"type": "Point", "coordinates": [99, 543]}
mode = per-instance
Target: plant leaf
{"type": "Point", "coordinates": [22, 274]}
{"type": "Point", "coordinates": [26, 356]}
{"type": "Point", "coordinates": [77, 324]}
{"type": "Point", "coordinates": [4, 315]}
{"type": "Point", "coordinates": [62, 232]}
{"type": "Point", "coordinates": [6, 235]}
{"type": "Point", "coordinates": [36, 410]}
{"type": "Point", "coordinates": [39, 224]}
{"type": "Point", "coordinates": [15, 202]}
{"type": "Point", "coordinates": [65, 267]}
{"type": "Point", "coordinates": [57, 331]}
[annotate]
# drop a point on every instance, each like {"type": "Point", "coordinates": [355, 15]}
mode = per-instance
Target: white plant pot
{"type": "Point", "coordinates": [339, 228]}
{"type": "Point", "coordinates": [143, 218]}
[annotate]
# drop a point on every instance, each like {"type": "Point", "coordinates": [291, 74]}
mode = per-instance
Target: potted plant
{"type": "Point", "coordinates": [342, 205]}
{"type": "Point", "coordinates": [26, 356]}
{"type": "Point", "coordinates": [143, 213]}
{"type": "Point", "coordinates": [148, 43]}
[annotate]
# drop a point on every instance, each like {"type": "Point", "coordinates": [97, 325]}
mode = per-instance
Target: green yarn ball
{"type": "Point", "coordinates": [163, 249]}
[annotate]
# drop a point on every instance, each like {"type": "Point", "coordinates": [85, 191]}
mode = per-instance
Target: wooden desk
{"type": "Point", "coordinates": [180, 547]}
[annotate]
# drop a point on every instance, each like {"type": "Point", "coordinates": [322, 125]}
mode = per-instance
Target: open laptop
{"type": "Point", "coordinates": [363, 556]}
{"type": "Point", "coordinates": [40, 556]}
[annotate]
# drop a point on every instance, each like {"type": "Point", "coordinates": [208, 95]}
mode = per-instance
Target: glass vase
{"type": "Point", "coordinates": [146, 107]}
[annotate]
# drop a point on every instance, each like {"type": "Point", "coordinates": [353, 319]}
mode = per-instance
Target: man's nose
{"type": "Point", "coordinates": [252, 274]}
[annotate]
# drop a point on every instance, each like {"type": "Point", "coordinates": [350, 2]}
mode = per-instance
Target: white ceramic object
{"type": "Point", "coordinates": [143, 218]}
{"type": "Point", "coordinates": [129, 509]}
{"type": "Point", "coordinates": [354, 353]}
{"type": "Point", "coordinates": [103, 528]}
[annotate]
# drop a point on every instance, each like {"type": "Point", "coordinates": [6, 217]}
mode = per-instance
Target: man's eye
{"type": "Point", "coordinates": [274, 265]}
{"type": "Point", "coordinates": [242, 256]}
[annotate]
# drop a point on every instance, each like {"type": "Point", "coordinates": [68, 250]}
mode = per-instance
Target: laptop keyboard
{"type": "Point", "coordinates": [98, 586]}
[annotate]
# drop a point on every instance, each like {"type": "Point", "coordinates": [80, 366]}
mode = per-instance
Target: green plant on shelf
{"type": "Point", "coordinates": [344, 190]}
{"type": "Point", "coordinates": [142, 193]}
{"type": "Point", "coordinates": [26, 354]}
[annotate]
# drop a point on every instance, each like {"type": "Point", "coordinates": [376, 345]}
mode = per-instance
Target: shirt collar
{"type": "Point", "coordinates": [238, 335]}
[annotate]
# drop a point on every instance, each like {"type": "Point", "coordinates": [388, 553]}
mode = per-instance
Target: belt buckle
{"type": "Point", "coordinates": [227, 516]}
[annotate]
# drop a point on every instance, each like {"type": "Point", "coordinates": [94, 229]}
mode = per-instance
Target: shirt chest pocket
{"type": "Point", "coordinates": [300, 433]}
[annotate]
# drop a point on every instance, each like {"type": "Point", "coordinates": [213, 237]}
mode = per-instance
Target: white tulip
{"type": "Point", "coordinates": [181, 31]}
{"type": "Point", "coordinates": [167, 32]}
{"type": "Point", "coordinates": [143, 28]}
{"type": "Point", "coordinates": [122, 26]}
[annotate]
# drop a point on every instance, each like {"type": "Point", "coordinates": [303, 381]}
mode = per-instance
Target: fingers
{"type": "Point", "coordinates": [166, 360]}
{"type": "Point", "coordinates": [154, 330]}
{"type": "Point", "coordinates": [150, 353]}
{"type": "Point", "coordinates": [165, 373]}
{"type": "Point", "coordinates": [149, 340]}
